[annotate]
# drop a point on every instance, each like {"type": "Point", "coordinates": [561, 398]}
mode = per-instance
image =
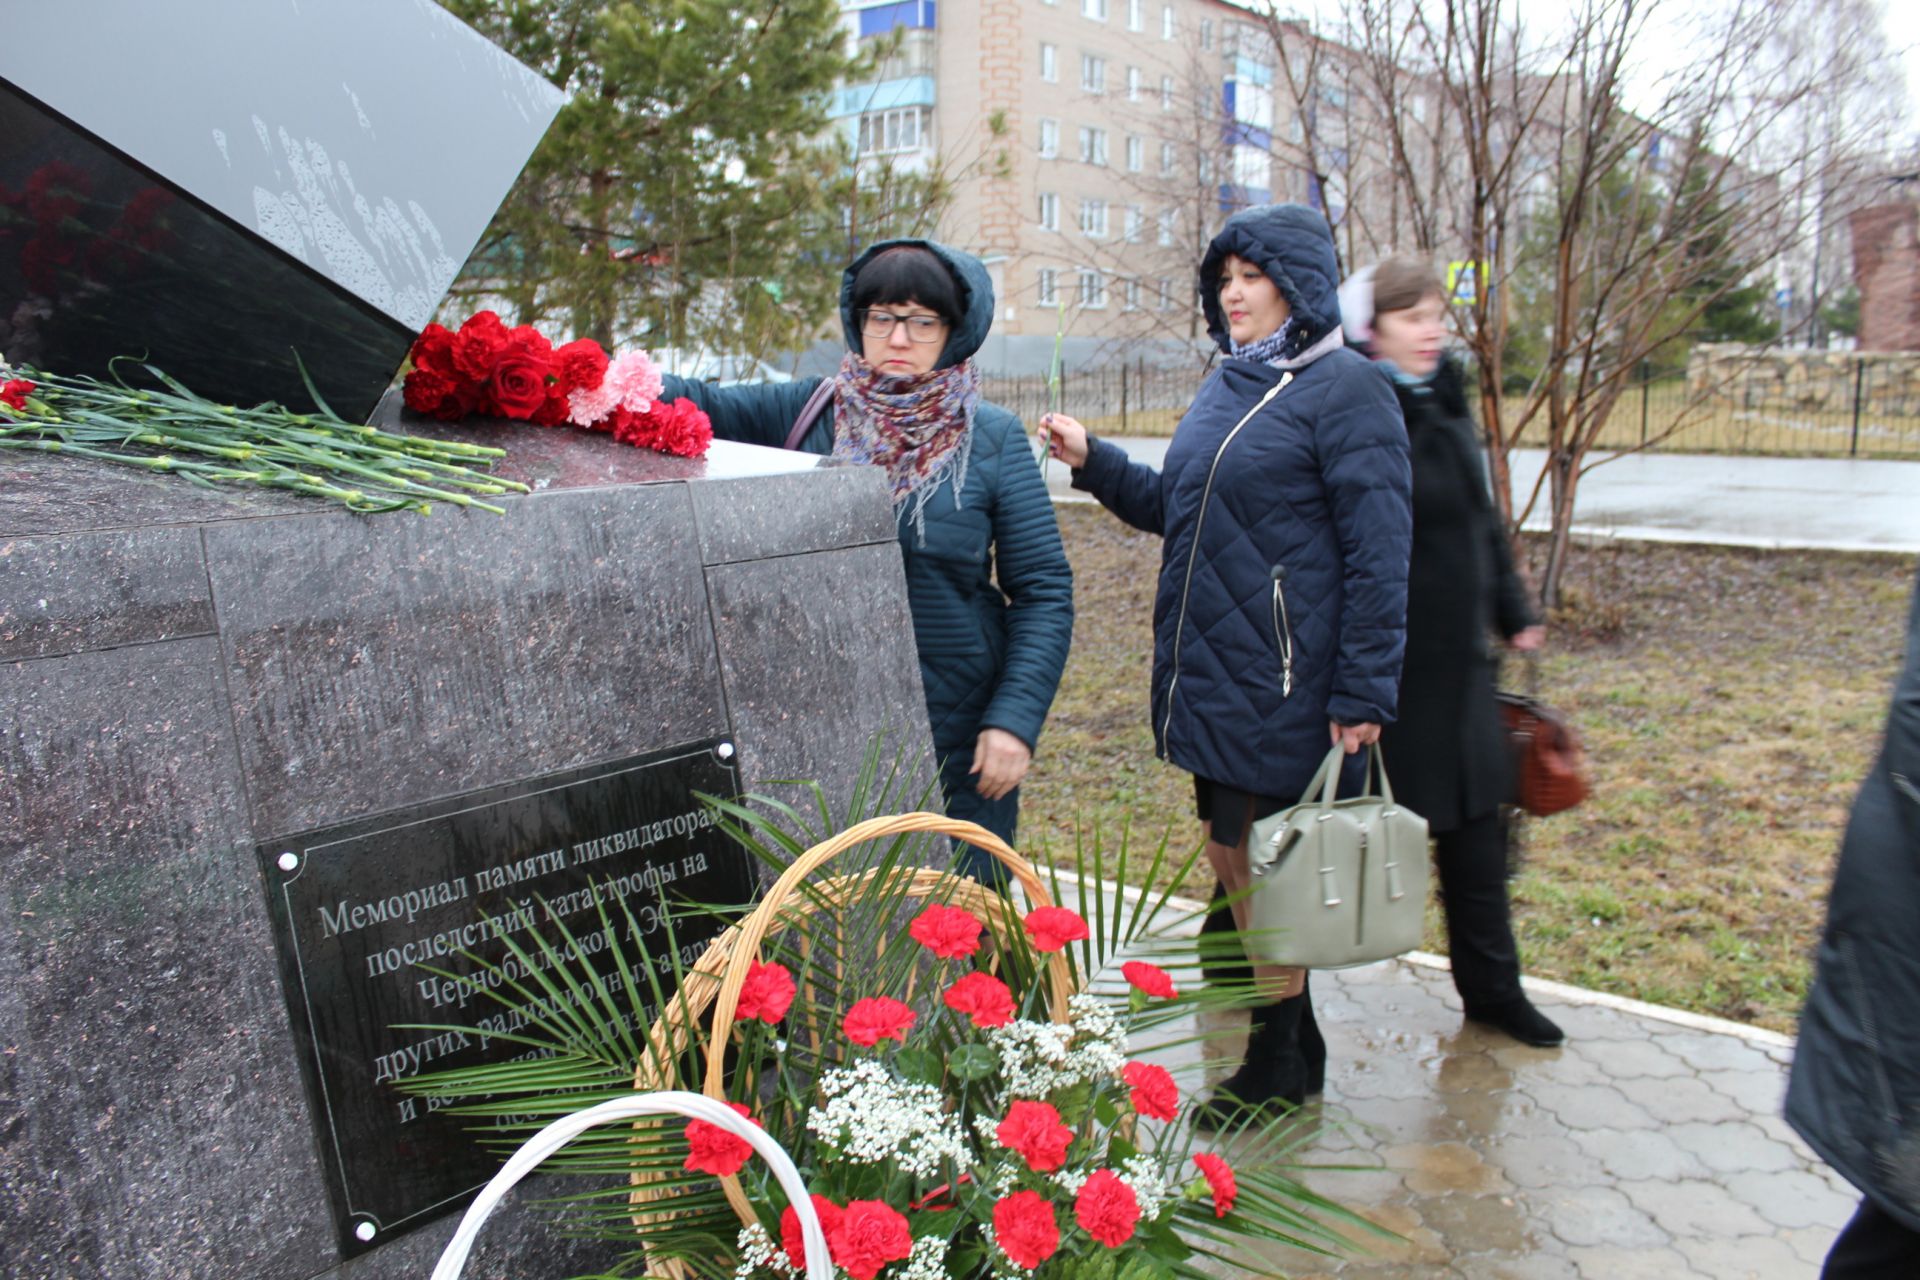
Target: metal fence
{"type": "Point", "coordinates": [1856, 408]}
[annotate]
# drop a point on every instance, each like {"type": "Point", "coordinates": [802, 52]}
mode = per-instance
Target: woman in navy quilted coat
{"type": "Point", "coordinates": [1284, 511]}
{"type": "Point", "coordinates": [987, 579]}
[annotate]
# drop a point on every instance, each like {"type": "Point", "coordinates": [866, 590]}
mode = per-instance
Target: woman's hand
{"type": "Point", "coordinates": [1000, 760]}
{"type": "Point", "coordinates": [1066, 439]}
{"type": "Point", "coordinates": [1530, 640]}
{"type": "Point", "coordinates": [1354, 736]}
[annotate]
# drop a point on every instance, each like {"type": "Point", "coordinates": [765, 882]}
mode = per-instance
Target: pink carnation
{"type": "Point", "coordinates": [632, 383]}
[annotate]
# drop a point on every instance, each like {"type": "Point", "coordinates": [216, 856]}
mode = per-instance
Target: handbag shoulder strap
{"type": "Point", "coordinates": [809, 412]}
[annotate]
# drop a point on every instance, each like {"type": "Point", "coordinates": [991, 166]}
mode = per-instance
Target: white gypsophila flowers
{"type": "Point", "coordinates": [758, 1253]}
{"type": "Point", "coordinates": [1071, 1180]}
{"type": "Point", "coordinates": [926, 1262]}
{"type": "Point", "coordinates": [1037, 1058]}
{"type": "Point", "coordinates": [868, 1116]}
{"type": "Point", "coordinates": [1142, 1173]}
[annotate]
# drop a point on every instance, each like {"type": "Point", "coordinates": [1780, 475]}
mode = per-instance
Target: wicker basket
{"type": "Point", "coordinates": [725, 963]}
{"type": "Point", "coordinates": [562, 1131]}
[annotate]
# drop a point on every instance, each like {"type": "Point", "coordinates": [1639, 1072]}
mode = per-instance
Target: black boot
{"type": "Point", "coordinates": [1273, 1073]}
{"type": "Point", "coordinates": [1313, 1045]}
{"type": "Point", "coordinates": [1221, 961]}
{"type": "Point", "coordinates": [1518, 1018]}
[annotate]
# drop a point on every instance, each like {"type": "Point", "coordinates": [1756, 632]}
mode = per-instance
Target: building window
{"type": "Point", "coordinates": [902, 129]}
{"type": "Point", "coordinates": [1166, 93]}
{"type": "Point", "coordinates": [1206, 168]}
{"type": "Point", "coordinates": [1419, 104]}
{"type": "Point", "coordinates": [1049, 211]}
{"type": "Point", "coordinates": [1093, 219]}
{"type": "Point", "coordinates": [1136, 153]}
{"type": "Point", "coordinates": [1049, 138]}
{"type": "Point", "coordinates": [1130, 293]}
{"type": "Point", "coordinates": [1206, 33]}
{"type": "Point", "coordinates": [1134, 80]}
{"type": "Point", "coordinates": [1093, 145]}
{"type": "Point", "coordinates": [1165, 293]}
{"type": "Point", "coordinates": [1136, 15]}
{"type": "Point", "coordinates": [1166, 22]}
{"type": "Point", "coordinates": [1093, 73]}
{"type": "Point", "coordinates": [1166, 228]}
{"type": "Point", "coordinates": [1095, 9]}
{"type": "Point", "coordinates": [1166, 158]}
{"type": "Point", "coordinates": [1093, 288]}
{"type": "Point", "coordinates": [1046, 287]}
{"type": "Point", "coordinates": [1049, 63]}
{"type": "Point", "coordinates": [1136, 220]}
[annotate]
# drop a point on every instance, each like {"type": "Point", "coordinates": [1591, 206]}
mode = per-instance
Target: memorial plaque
{"type": "Point", "coordinates": [359, 909]}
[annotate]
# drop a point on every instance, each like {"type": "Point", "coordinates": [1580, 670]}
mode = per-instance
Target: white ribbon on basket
{"type": "Point", "coordinates": [693, 1105]}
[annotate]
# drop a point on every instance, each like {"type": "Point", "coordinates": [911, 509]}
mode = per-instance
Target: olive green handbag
{"type": "Point", "coordinates": [1338, 882]}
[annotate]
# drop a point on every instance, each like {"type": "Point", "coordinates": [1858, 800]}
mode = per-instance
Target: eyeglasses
{"type": "Point", "coordinates": [920, 328]}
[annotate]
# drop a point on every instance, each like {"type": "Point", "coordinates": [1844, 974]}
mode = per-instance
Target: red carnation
{"type": "Point", "coordinates": [478, 346]}
{"type": "Point", "coordinates": [14, 394]}
{"type": "Point", "coordinates": [948, 932]}
{"type": "Point", "coordinates": [680, 428]}
{"type": "Point", "coordinates": [870, 1234]}
{"type": "Point", "coordinates": [1220, 1181]}
{"type": "Point", "coordinates": [426, 391]}
{"type": "Point", "coordinates": [1107, 1208]}
{"type": "Point", "coordinates": [711, 1149]}
{"type": "Point", "coordinates": [875, 1019]}
{"type": "Point", "coordinates": [519, 383]}
{"type": "Point", "coordinates": [830, 1215]}
{"type": "Point", "coordinates": [1154, 1093]}
{"type": "Point", "coordinates": [982, 997]}
{"type": "Point", "coordinates": [581, 364]}
{"type": "Point", "coordinates": [766, 994]}
{"type": "Point", "coordinates": [553, 410]}
{"type": "Point", "coordinates": [1034, 1129]}
{"type": "Point", "coordinates": [433, 349]}
{"type": "Point", "coordinates": [1150, 978]}
{"type": "Point", "coordinates": [1025, 1229]}
{"type": "Point", "coordinates": [1052, 928]}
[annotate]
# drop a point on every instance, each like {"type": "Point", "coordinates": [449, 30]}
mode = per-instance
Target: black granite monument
{"type": "Point", "coordinates": [265, 764]}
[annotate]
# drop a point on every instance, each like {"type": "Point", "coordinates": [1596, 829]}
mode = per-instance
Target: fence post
{"type": "Point", "coordinates": [1859, 376]}
{"type": "Point", "coordinates": [1645, 383]}
{"type": "Point", "coordinates": [1123, 397]}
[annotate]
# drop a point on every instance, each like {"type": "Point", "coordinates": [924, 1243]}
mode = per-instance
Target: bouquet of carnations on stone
{"type": "Point", "coordinates": [969, 1086]}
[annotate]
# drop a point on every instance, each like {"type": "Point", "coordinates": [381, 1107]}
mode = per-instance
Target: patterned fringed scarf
{"type": "Point", "coordinates": [920, 428]}
{"type": "Point", "coordinates": [1286, 347]}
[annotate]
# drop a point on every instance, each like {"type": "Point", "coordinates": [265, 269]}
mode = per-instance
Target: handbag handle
{"type": "Point", "coordinates": [808, 413]}
{"type": "Point", "coordinates": [1326, 779]}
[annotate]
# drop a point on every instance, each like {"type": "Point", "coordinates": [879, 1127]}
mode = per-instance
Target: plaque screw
{"type": "Point", "coordinates": [289, 860]}
{"type": "Point", "coordinates": [364, 1232]}
{"type": "Point", "coordinates": [724, 751]}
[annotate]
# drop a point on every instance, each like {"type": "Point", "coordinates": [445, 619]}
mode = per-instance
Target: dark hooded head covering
{"type": "Point", "coordinates": [1294, 246]}
{"type": "Point", "coordinates": [976, 298]}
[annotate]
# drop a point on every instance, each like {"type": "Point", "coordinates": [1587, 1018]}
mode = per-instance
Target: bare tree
{"type": "Point", "coordinates": [1598, 217]}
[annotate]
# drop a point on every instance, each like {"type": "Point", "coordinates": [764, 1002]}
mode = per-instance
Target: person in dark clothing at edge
{"type": "Point", "coordinates": [1447, 752]}
{"type": "Point", "coordinates": [988, 583]}
{"type": "Point", "coordinates": [1283, 509]}
{"type": "Point", "coordinates": [1854, 1094]}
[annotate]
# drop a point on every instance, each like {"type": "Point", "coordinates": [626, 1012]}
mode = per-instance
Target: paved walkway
{"type": "Point", "coordinates": [1840, 504]}
{"type": "Point", "coordinates": [1648, 1148]}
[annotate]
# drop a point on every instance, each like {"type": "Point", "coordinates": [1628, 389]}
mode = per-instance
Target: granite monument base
{"type": "Point", "coordinates": [203, 694]}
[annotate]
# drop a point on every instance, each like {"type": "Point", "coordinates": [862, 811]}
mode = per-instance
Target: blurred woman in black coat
{"type": "Point", "coordinates": [1447, 752]}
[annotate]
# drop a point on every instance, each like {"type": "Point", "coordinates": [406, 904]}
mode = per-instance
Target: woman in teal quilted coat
{"type": "Point", "coordinates": [987, 579]}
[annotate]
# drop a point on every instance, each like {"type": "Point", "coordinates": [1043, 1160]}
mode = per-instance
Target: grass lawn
{"type": "Point", "coordinates": [1731, 701]}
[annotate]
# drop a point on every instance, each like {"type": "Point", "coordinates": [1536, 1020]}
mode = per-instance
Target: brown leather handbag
{"type": "Point", "coordinates": [1550, 765]}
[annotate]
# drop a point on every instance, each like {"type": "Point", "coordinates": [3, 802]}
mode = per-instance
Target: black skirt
{"type": "Point", "coordinates": [1232, 812]}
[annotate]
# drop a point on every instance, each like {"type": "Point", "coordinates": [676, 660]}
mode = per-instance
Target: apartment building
{"type": "Point", "coordinates": [1093, 146]}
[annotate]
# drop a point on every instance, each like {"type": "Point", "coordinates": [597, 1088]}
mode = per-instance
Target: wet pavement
{"type": "Point", "coordinates": [1842, 504]}
{"type": "Point", "coordinates": [1650, 1145]}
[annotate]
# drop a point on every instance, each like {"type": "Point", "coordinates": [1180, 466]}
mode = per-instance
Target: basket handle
{"type": "Point", "coordinates": [754, 929]}
{"type": "Point", "coordinates": [567, 1128]}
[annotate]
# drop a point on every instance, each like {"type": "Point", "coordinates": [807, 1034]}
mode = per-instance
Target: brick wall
{"type": "Point", "coordinates": [1886, 270]}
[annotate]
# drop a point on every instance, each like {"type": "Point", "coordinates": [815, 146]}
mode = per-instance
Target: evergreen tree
{"type": "Point", "coordinates": [693, 190]}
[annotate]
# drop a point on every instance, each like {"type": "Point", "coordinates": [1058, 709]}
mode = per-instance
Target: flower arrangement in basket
{"type": "Point", "coordinates": [963, 1083]}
